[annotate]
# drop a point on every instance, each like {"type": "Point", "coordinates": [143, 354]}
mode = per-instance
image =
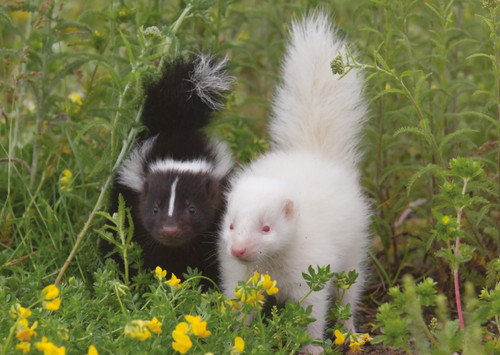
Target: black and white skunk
{"type": "Point", "coordinates": [301, 203]}
{"type": "Point", "coordinates": [174, 177]}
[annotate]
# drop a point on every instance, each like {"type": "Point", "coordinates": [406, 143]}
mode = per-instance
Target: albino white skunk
{"type": "Point", "coordinates": [301, 203]}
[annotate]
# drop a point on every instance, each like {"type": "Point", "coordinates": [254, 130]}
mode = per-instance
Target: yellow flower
{"type": "Point", "coordinates": [160, 273]}
{"type": "Point", "coordinates": [255, 297]}
{"type": "Point", "coordinates": [154, 325]}
{"type": "Point", "coordinates": [51, 291]}
{"type": "Point", "coordinates": [75, 98]}
{"type": "Point", "coordinates": [24, 347]}
{"type": "Point", "coordinates": [24, 313]}
{"type": "Point", "coordinates": [97, 34]}
{"type": "Point", "coordinates": [181, 343]}
{"type": "Point", "coordinates": [255, 278]}
{"type": "Point", "coordinates": [24, 332]}
{"type": "Point", "coordinates": [198, 327]}
{"type": "Point", "coordinates": [19, 15]}
{"type": "Point", "coordinates": [355, 346]}
{"type": "Point", "coordinates": [239, 344]}
{"type": "Point", "coordinates": [92, 350]}
{"type": "Point", "coordinates": [137, 329]}
{"type": "Point", "coordinates": [339, 337]}
{"type": "Point", "coordinates": [64, 181]}
{"type": "Point", "coordinates": [365, 338]}
{"type": "Point", "coordinates": [50, 349]}
{"type": "Point", "coordinates": [180, 329]}
{"type": "Point", "coordinates": [484, 294]}
{"type": "Point", "coordinates": [238, 294]}
{"type": "Point", "coordinates": [174, 282]}
{"type": "Point", "coordinates": [235, 305]}
{"type": "Point", "coordinates": [269, 285]}
{"type": "Point", "coordinates": [18, 311]}
{"type": "Point", "coordinates": [445, 220]}
{"type": "Point", "coordinates": [53, 305]}
{"type": "Point", "coordinates": [140, 335]}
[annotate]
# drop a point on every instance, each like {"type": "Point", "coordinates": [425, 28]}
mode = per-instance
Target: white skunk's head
{"type": "Point", "coordinates": [260, 218]}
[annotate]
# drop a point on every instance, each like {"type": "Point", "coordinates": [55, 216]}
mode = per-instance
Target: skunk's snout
{"type": "Point", "coordinates": [170, 231]}
{"type": "Point", "coordinates": [238, 252]}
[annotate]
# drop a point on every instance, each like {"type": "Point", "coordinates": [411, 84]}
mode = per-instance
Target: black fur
{"type": "Point", "coordinates": [173, 114]}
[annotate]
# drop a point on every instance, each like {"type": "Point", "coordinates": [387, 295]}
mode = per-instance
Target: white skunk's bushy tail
{"type": "Point", "coordinates": [313, 109]}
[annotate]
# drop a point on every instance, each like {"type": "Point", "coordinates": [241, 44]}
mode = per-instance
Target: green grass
{"type": "Point", "coordinates": [431, 169]}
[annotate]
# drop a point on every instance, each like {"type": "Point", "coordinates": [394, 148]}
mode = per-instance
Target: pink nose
{"type": "Point", "coordinates": [170, 231]}
{"type": "Point", "coordinates": [238, 252]}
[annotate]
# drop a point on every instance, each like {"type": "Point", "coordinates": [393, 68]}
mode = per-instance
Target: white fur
{"type": "Point", "coordinates": [307, 188]}
{"type": "Point", "coordinates": [223, 158]}
{"type": "Point", "coordinates": [210, 80]}
{"type": "Point", "coordinates": [313, 109]}
{"type": "Point", "coordinates": [182, 166]}
{"type": "Point", "coordinates": [173, 189]}
{"type": "Point", "coordinates": [132, 172]}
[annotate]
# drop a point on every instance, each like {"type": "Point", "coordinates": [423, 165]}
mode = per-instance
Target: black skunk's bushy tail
{"type": "Point", "coordinates": [185, 95]}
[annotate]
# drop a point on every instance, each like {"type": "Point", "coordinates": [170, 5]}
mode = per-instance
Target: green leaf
{"type": "Point", "coordinates": [129, 50]}
{"type": "Point", "coordinates": [387, 92]}
{"type": "Point", "coordinates": [430, 168]}
{"type": "Point", "coordinates": [449, 137]}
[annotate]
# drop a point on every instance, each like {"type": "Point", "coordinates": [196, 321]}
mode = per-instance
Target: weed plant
{"type": "Point", "coordinates": [70, 93]}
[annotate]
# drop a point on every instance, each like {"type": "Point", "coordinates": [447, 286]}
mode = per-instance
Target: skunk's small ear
{"type": "Point", "coordinates": [288, 208]}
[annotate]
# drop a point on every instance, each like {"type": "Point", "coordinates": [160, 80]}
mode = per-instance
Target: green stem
{"type": "Point", "coordinates": [306, 295]}
{"type": "Point", "coordinates": [429, 335]}
{"type": "Point", "coordinates": [456, 280]}
{"type": "Point", "coordinates": [201, 277]}
{"type": "Point", "coordinates": [173, 30]}
{"type": "Point", "coordinates": [497, 75]}
{"type": "Point", "coordinates": [217, 25]}
{"type": "Point", "coordinates": [262, 328]}
{"type": "Point", "coordinates": [117, 293]}
{"type": "Point", "coordinates": [199, 345]}
{"type": "Point", "coordinates": [125, 264]}
{"type": "Point", "coordinates": [99, 202]}
{"type": "Point", "coordinates": [407, 349]}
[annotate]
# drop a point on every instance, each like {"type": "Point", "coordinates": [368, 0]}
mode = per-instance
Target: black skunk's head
{"type": "Point", "coordinates": [178, 208]}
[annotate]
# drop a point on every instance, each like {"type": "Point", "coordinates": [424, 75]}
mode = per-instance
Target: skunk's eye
{"type": "Point", "coordinates": [231, 227]}
{"type": "Point", "coordinates": [155, 209]}
{"type": "Point", "coordinates": [266, 229]}
{"type": "Point", "coordinates": [191, 210]}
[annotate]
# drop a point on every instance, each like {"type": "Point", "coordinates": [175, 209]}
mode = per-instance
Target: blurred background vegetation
{"type": "Point", "coordinates": [70, 92]}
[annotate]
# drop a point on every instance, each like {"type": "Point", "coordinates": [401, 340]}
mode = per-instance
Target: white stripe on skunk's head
{"type": "Point", "coordinates": [210, 80]}
{"type": "Point", "coordinates": [191, 166]}
{"type": "Point", "coordinates": [131, 172]}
